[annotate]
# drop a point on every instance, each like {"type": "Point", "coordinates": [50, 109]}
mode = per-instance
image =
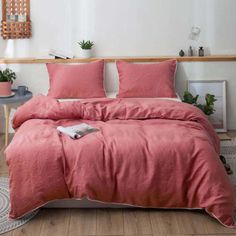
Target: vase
{"type": "Point", "coordinates": [181, 53]}
{"type": "Point", "coordinates": [86, 53]}
{"type": "Point", "coordinates": [201, 52]}
{"type": "Point", "coordinates": [190, 51]}
{"type": "Point", "coordinates": [5, 88]}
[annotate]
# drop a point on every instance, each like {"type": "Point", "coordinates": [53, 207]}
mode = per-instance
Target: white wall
{"type": "Point", "coordinates": [51, 22]}
{"type": "Point", "coordinates": [156, 27]}
{"type": "Point", "coordinates": [131, 28]}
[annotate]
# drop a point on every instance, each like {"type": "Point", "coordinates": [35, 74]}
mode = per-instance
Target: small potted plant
{"type": "Point", "coordinates": [7, 77]}
{"type": "Point", "coordinates": [86, 48]}
{"type": "Point", "coordinates": [207, 108]}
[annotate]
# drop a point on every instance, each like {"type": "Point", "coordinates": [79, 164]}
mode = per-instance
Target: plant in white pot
{"type": "Point", "coordinates": [86, 47]}
{"type": "Point", "coordinates": [7, 77]}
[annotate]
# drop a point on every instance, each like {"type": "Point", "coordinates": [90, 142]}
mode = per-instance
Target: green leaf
{"type": "Point", "coordinates": [86, 45]}
{"type": "Point", "coordinates": [189, 98]}
{"type": "Point", "coordinates": [7, 75]}
{"type": "Point", "coordinates": [207, 108]}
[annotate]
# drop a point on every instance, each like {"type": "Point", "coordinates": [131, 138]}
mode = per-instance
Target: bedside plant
{"type": "Point", "coordinates": [86, 47]}
{"type": "Point", "coordinates": [7, 77]}
{"type": "Point", "coordinates": [207, 108]}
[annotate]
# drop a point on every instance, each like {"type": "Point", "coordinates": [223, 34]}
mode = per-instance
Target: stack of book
{"type": "Point", "coordinates": [60, 54]}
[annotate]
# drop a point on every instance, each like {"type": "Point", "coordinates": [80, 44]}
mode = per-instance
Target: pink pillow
{"type": "Point", "coordinates": [76, 81]}
{"type": "Point", "coordinates": [147, 80]}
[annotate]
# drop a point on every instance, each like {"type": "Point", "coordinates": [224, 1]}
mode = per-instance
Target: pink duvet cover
{"type": "Point", "coordinates": [148, 152]}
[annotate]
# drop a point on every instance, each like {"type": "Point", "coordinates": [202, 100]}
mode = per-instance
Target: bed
{"type": "Point", "coordinates": [148, 152]}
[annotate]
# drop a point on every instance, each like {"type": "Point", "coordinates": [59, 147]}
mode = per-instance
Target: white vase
{"type": "Point", "coordinates": [86, 53]}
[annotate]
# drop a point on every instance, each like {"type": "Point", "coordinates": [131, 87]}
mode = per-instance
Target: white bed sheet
{"type": "Point", "coordinates": [113, 95]}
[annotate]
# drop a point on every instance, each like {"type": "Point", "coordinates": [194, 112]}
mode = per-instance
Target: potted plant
{"type": "Point", "coordinates": [207, 108]}
{"type": "Point", "coordinates": [86, 48]}
{"type": "Point", "coordinates": [7, 77]}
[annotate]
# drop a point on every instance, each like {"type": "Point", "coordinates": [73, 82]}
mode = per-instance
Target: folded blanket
{"type": "Point", "coordinates": [148, 152]}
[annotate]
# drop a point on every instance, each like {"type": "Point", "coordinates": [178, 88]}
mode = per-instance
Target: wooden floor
{"type": "Point", "coordinates": [73, 222]}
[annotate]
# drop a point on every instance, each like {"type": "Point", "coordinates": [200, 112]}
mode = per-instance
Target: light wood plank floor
{"type": "Point", "coordinates": [82, 222]}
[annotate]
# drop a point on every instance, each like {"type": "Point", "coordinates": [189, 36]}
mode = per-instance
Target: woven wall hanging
{"type": "Point", "coordinates": [16, 22]}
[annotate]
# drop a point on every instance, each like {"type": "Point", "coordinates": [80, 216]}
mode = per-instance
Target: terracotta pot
{"type": "Point", "coordinates": [5, 88]}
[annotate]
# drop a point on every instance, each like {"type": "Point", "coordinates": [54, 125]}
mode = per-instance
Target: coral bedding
{"type": "Point", "coordinates": [148, 152]}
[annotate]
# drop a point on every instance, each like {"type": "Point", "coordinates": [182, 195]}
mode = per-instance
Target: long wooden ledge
{"type": "Point", "coordinates": [113, 59]}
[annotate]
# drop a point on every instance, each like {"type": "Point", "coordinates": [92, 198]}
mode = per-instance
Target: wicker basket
{"type": "Point", "coordinates": [16, 22]}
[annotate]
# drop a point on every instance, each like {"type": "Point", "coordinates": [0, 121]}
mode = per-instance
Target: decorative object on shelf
{"type": "Point", "coordinates": [218, 88]}
{"type": "Point", "coordinates": [181, 53]}
{"type": "Point", "coordinates": [86, 47]}
{"type": "Point", "coordinates": [207, 108]}
{"type": "Point", "coordinates": [57, 54]}
{"type": "Point", "coordinates": [190, 51]}
{"type": "Point", "coordinates": [201, 52]}
{"type": "Point", "coordinates": [7, 77]}
{"type": "Point", "coordinates": [16, 22]}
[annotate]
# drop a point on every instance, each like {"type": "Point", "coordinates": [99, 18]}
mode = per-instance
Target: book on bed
{"type": "Point", "coordinates": [77, 131]}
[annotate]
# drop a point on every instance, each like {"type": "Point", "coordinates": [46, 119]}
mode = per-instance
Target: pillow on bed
{"type": "Point", "coordinates": [76, 81]}
{"type": "Point", "coordinates": [147, 80]}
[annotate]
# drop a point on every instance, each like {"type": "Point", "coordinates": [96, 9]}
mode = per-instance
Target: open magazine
{"type": "Point", "coordinates": [77, 131]}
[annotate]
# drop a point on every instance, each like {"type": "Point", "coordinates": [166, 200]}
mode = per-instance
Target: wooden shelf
{"type": "Point", "coordinates": [113, 59]}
